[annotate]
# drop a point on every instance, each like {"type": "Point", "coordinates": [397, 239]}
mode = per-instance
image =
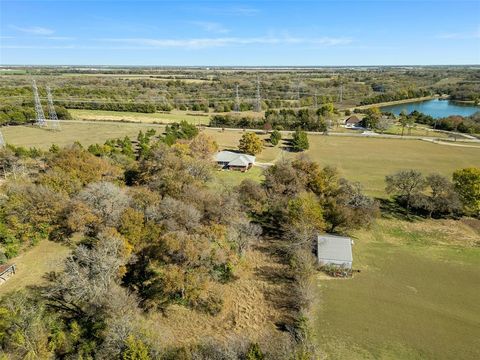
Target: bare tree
{"type": "Point", "coordinates": [106, 200]}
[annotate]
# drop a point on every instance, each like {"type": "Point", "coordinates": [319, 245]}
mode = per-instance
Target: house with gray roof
{"type": "Point", "coordinates": [234, 161]}
{"type": "Point", "coordinates": [334, 250]}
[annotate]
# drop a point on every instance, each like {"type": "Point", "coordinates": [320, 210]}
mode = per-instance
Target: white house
{"type": "Point", "coordinates": [234, 161]}
{"type": "Point", "coordinates": [334, 250]}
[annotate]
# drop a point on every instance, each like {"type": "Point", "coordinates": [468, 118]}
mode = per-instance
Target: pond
{"type": "Point", "coordinates": [435, 108]}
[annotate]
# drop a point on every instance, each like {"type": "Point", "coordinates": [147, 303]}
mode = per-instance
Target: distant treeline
{"type": "Point", "coordinates": [401, 95]}
{"type": "Point", "coordinates": [18, 115]}
{"type": "Point", "coordinates": [114, 106]}
{"type": "Point", "coordinates": [284, 119]}
{"type": "Point", "coordinates": [464, 91]}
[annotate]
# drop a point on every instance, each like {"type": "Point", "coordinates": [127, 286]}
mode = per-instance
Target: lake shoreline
{"type": "Point", "coordinates": [399, 102]}
{"type": "Point", "coordinates": [436, 108]}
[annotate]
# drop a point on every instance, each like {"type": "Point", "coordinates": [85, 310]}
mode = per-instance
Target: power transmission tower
{"type": "Point", "coordinates": [258, 106]}
{"type": "Point", "coordinates": [51, 111]}
{"type": "Point", "coordinates": [2, 141]}
{"type": "Point", "coordinates": [38, 106]}
{"type": "Point", "coordinates": [236, 107]}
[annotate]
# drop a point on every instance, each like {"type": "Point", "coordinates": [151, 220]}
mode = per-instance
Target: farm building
{"type": "Point", "coordinates": [234, 161]}
{"type": "Point", "coordinates": [352, 121]}
{"type": "Point", "coordinates": [334, 250]}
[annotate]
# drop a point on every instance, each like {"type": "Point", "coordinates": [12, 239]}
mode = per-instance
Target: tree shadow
{"type": "Point", "coordinates": [391, 209]}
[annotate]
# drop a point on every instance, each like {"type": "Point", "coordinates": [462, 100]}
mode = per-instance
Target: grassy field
{"type": "Point", "coordinates": [419, 130]}
{"type": "Point", "coordinates": [163, 118]}
{"type": "Point", "coordinates": [415, 298]}
{"type": "Point", "coordinates": [366, 160]}
{"type": "Point", "coordinates": [85, 133]}
{"type": "Point", "coordinates": [33, 264]}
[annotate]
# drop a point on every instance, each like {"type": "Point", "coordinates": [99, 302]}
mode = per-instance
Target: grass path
{"type": "Point", "coordinates": [34, 263]}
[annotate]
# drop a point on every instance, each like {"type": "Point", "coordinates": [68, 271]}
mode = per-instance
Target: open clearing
{"type": "Point", "coordinates": [416, 297]}
{"type": "Point", "coordinates": [161, 118]}
{"type": "Point", "coordinates": [85, 133]}
{"type": "Point", "coordinates": [193, 117]}
{"type": "Point", "coordinates": [366, 160]}
{"type": "Point", "coordinates": [34, 263]}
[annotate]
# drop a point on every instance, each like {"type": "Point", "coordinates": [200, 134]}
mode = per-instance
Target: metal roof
{"type": "Point", "coordinates": [239, 161]}
{"type": "Point", "coordinates": [234, 159]}
{"type": "Point", "coordinates": [331, 247]}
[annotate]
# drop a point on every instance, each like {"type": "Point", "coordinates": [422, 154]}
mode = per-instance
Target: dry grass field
{"type": "Point", "coordinates": [85, 133]}
{"type": "Point", "coordinates": [192, 117]}
{"type": "Point", "coordinates": [33, 264]}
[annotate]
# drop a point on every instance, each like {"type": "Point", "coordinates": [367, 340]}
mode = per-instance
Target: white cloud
{"type": "Point", "coordinates": [198, 43]}
{"type": "Point", "coordinates": [35, 30]}
{"type": "Point", "coordinates": [212, 27]}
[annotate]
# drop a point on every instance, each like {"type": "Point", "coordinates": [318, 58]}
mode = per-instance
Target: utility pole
{"type": "Point", "coordinates": [341, 94]}
{"type": "Point", "coordinates": [38, 106]}
{"type": "Point", "coordinates": [236, 107]}
{"type": "Point", "coordinates": [315, 101]}
{"type": "Point", "coordinates": [51, 111]}
{"type": "Point", "coordinates": [258, 106]}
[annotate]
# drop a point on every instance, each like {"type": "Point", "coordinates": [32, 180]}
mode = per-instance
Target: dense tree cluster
{"type": "Point", "coordinates": [435, 195]}
{"type": "Point", "coordinates": [284, 119]}
{"type": "Point", "coordinates": [165, 238]}
{"type": "Point", "coordinates": [395, 96]}
{"type": "Point", "coordinates": [18, 115]}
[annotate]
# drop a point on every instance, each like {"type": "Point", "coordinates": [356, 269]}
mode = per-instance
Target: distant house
{"type": "Point", "coordinates": [334, 250]}
{"type": "Point", "coordinates": [234, 161]}
{"type": "Point", "coordinates": [352, 121]}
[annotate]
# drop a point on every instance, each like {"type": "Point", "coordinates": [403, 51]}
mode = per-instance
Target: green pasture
{"type": "Point", "coordinates": [416, 296]}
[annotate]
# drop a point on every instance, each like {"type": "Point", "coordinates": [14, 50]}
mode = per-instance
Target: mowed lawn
{"type": "Point", "coordinates": [415, 298]}
{"type": "Point", "coordinates": [368, 160]}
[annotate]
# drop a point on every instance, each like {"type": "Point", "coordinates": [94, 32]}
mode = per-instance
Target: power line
{"type": "Point", "coordinates": [38, 106]}
{"type": "Point", "coordinates": [258, 106]}
{"type": "Point", "coordinates": [236, 107]}
{"type": "Point", "coordinates": [51, 111]}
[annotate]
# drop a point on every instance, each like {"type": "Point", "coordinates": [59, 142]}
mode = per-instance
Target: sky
{"type": "Point", "coordinates": [248, 33]}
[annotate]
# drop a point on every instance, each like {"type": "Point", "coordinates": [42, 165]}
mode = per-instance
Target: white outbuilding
{"type": "Point", "coordinates": [334, 250]}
